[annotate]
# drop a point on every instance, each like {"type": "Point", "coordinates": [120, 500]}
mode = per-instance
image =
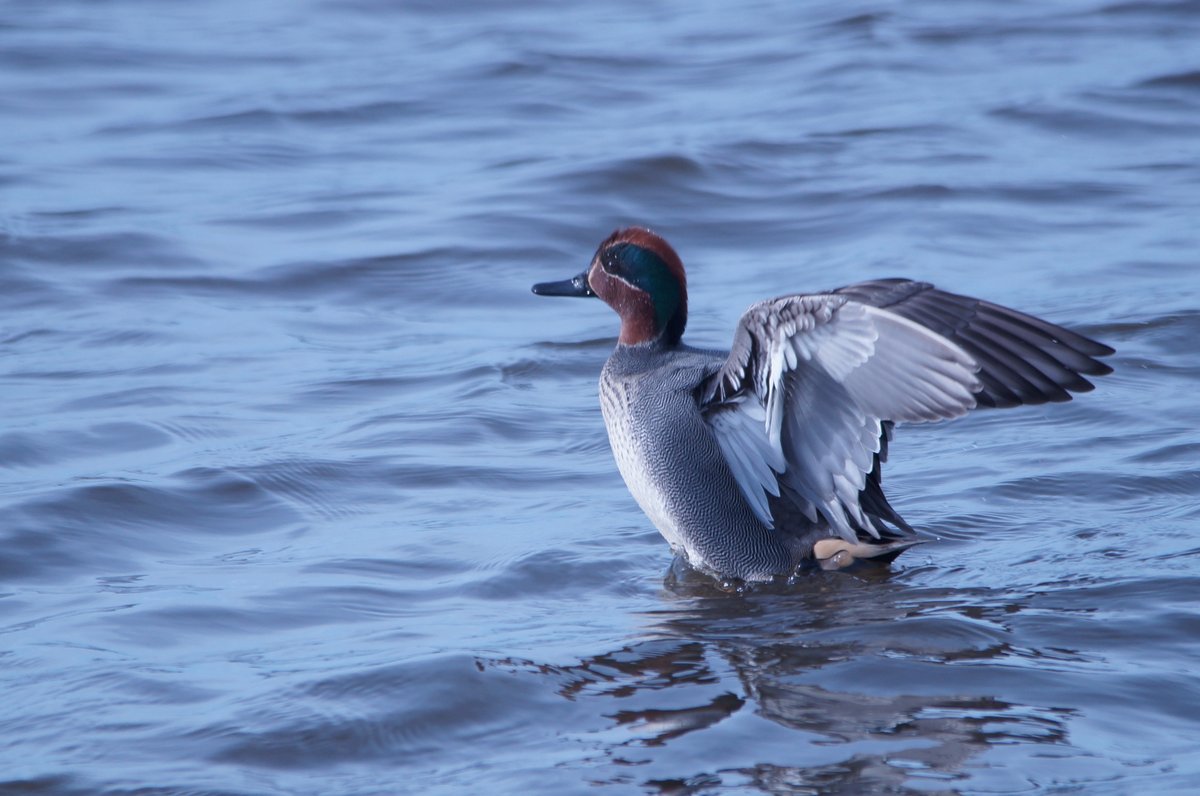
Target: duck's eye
{"type": "Point", "coordinates": [615, 258]}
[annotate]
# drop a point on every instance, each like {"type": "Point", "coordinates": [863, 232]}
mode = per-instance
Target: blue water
{"type": "Point", "coordinates": [302, 492]}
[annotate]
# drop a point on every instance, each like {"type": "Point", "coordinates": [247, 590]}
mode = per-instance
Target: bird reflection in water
{"type": "Point", "coordinates": [807, 691]}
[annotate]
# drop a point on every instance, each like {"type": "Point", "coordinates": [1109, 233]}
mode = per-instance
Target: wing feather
{"type": "Point", "coordinates": [804, 405]}
{"type": "Point", "coordinates": [987, 331]}
{"type": "Point", "coordinates": [753, 461]}
{"type": "Point", "coordinates": [826, 372]}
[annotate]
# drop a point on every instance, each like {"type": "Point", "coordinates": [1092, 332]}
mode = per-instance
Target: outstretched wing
{"type": "Point", "coordinates": [1022, 359]}
{"type": "Point", "coordinates": [803, 396]}
{"type": "Point", "coordinates": [803, 405]}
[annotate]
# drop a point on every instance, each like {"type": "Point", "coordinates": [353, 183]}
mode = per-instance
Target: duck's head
{"type": "Point", "coordinates": [639, 275]}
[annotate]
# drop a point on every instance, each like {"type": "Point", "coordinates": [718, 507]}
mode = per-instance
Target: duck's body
{"type": "Point", "coordinates": [674, 467]}
{"type": "Point", "coordinates": [755, 461]}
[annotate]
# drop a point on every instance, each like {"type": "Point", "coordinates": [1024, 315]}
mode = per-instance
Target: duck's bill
{"type": "Point", "coordinates": [568, 287]}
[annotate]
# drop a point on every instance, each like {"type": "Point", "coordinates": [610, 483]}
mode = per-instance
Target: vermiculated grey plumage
{"type": "Point", "coordinates": [672, 465]}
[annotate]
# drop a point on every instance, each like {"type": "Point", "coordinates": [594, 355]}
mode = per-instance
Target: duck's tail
{"type": "Point", "coordinates": [837, 553]}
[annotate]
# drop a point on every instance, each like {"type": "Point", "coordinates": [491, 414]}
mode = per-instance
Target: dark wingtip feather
{"type": "Point", "coordinates": [1023, 359]}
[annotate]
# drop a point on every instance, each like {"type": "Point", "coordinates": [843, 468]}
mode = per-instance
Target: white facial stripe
{"type": "Point", "coordinates": [619, 278]}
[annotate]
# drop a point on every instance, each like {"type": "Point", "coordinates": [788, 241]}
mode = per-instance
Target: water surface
{"type": "Point", "coordinates": [302, 492]}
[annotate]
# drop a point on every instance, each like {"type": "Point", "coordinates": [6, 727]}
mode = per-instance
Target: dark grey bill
{"type": "Point", "coordinates": [568, 287]}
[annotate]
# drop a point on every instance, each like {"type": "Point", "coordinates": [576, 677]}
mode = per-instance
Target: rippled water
{"type": "Point", "coordinates": [302, 492]}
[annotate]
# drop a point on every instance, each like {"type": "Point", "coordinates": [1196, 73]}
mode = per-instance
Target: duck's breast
{"type": "Point", "coordinates": [671, 462]}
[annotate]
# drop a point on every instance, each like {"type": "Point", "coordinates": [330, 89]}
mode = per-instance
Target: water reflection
{"type": "Point", "coordinates": [866, 681]}
{"type": "Point", "coordinates": [656, 727]}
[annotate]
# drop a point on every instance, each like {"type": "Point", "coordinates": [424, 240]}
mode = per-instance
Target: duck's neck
{"type": "Point", "coordinates": [639, 326]}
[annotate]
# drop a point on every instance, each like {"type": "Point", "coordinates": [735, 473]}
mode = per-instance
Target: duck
{"type": "Point", "coordinates": [757, 462]}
